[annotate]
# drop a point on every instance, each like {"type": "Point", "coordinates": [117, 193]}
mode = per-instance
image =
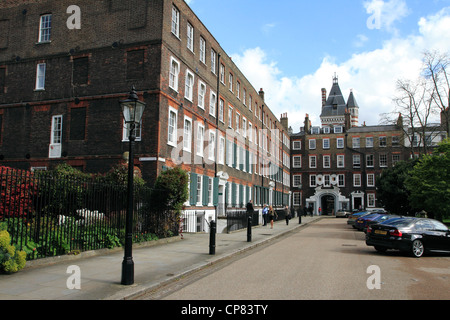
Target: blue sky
{"type": "Point", "coordinates": [292, 48]}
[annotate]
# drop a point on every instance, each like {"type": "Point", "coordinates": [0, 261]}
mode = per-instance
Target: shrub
{"type": "Point", "coordinates": [11, 260]}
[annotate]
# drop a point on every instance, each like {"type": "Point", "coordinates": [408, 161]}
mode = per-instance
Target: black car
{"type": "Point", "coordinates": [413, 235]}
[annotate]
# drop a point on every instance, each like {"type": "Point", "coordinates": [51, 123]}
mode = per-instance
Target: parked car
{"type": "Point", "coordinates": [352, 218]}
{"type": "Point", "coordinates": [343, 214]}
{"type": "Point", "coordinates": [361, 221]}
{"type": "Point", "coordinates": [413, 235]}
{"type": "Point", "coordinates": [378, 219]}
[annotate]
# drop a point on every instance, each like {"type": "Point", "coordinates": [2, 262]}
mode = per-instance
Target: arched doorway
{"type": "Point", "coordinates": [327, 204]}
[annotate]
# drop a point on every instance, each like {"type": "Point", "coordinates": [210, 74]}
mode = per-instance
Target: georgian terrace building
{"type": "Point", "coordinates": [63, 69]}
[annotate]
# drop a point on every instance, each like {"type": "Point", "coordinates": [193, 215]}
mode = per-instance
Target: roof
{"type": "Point", "coordinates": [379, 128]}
{"type": "Point", "coordinates": [335, 104]}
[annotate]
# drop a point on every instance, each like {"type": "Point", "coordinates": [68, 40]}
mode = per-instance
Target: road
{"type": "Point", "coordinates": [327, 260]}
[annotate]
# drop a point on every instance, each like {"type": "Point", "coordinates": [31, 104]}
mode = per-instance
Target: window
{"type": "Point", "coordinates": [213, 61]}
{"type": "Point", "coordinates": [200, 135]}
{"type": "Point", "coordinates": [369, 160]}
{"type": "Point", "coordinates": [355, 142]}
{"type": "Point", "coordinates": [126, 131]}
{"type": "Point", "coordinates": [212, 145]}
{"type": "Point", "coordinates": [172, 127]}
{"type": "Point", "coordinates": [189, 86]}
{"type": "Point", "coordinates": [210, 191]}
{"type": "Point", "coordinates": [395, 159]}
{"type": "Point", "coordinates": [199, 190]}
{"type": "Point", "coordinates": [326, 129]}
{"type": "Point", "coordinates": [326, 161]}
{"type": "Point", "coordinates": [395, 141]}
{"type": "Point", "coordinates": [212, 104]}
{"type": "Point", "coordinates": [297, 145]}
{"type": "Point", "coordinates": [221, 109]}
{"type": "Point", "coordinates": [383, 141]}
{"type": "Point", "coordinates": [340, 143]}
{"type": "Point", "coordinates": [312, 162]}
{"type": "Point", "coordinates": [201, 94]}
{"type": "Point", "coordinates": [230, 82]}
{"type": "Point", "coordinates": [175, 21]}
{"type": "Point", "coordinates": [174, 71]}
{"type": "Point", "coordinates": [297, 161]}
{"type": "Point", "coordinates": [326, 143]}
{"type": "Point", "coordinates": [338, 129]}
{"type": "Point", "coordinates": [250, 132]}
{"type": "Point", "coordinates": [222, 73]}
{"type": "Point", "coordinates": [238, 90]}
{"type": "Point", "coordinates": [356, 161]}
{"type": "Point", "coordinates": [312, 144]}
{"type": "Point", "coordinates": [312, 180]}
{"type": "Point", "coordinates": [238, 122]}
{"type": "Point", "coordinates": [326, 180]}
{"type": "Point", "coordinates": [40, 76]}
{"type": "Point", "coordinates": [202, 50]}
{"type": "Point", "coordinates": [357, 180]}
{"type": "Point", "coordinates": [383, 160]}
{"type": "Point", "coordinates": [369, 142]}
{"type": "Point", "coordinates": [190, 37]}
{"type": "Point", "coordinates": [340, 161]}
{"type": "Point", "coordinates": [244, 127]}
{"type": "Point", "coordinates": [222, 150]}
{"type": "Point", "coordinates": [230, 117]}
{"type": "Point", "coordinates": [297, 198]}
{"type": "Point", "coordinates": [371, 180]}
{"type": "Point", "coordinates": [45, 28]}
{"type": "Point", "coordinates": [56, 137]}
{"type": "Point", "coordinates": [187, 137]}
{"type": "Point", "coordinates": [341, 180]}
{"type": "Point", "coordinates": [371, 200]}
{"type": "Point", "coordinates": [297, 180]}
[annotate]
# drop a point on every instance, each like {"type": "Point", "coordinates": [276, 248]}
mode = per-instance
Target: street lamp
{"type": "Point", "coordinates": [132, 110]}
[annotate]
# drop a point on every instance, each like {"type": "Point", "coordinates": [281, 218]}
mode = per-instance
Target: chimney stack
{"type": "Point", "coordinates": [284, 120]}
{"type": "Point", "coordinates": [324, 96]}
{"type": "Point", "coordinates": [261, 94]}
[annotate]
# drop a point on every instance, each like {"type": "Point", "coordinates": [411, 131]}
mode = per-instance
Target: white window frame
{"type": "Point", "coordinates": [371, 180]}
{"type": "Point", "coordinates": [187, 134]}
{"type": "Point", "coordinates": [326, 143]}
{"type": "Point", "coordinates": [202, 50]}
{"type": "Point", "coordinates": [340, 159]}
{"type": "Point", "coordinates": [213, 61]}
{"type": "Point", "coordinates": [172, 137]}
{"type": "Point", "coordinates": [190, 37]}
{"type": "Point", "coordinates": [357, 180]}
{"type": "Point", "coordinates": [189, 85]}
{"type": "Point", "coordinates": [40, 76]}
{"type": "Point", "coordinates": [297, 161]}
{"type": "Point", "coordinates": [56, 137]}
{"type": "Point", "coordinates": [201, 94]}
{"type": "Point", "coordinates": [175, 21]}
{"type": "Point", "coordinates": [221, 110]}
{"type": "Point", "coordinates": [212, 145]}
{"type": "Point", "coordinates": [174, 73]}
{"type": "Point", "coordinates": [212, 103]}
{"type": "Point", "coordinates": [371, 200]}
{"type": "Point", "coordinates": [230, 116]}
{"type": "Point", "coordinates": [200, 139]}
{"type": "Point", "coordinates": [313, 180]}
{"type": "Point", "coordinates": [312, 162]}
{"type": "Point", "coordinates": [221, 159]}
{"type": "Point", "coordinates": [199, 189]}
{"type": "Point", "coordinates": [126, 131]}
{"type": "Point", "coordinates": [296, 145]}
{"type": "Point", "coordinates": [340, 143]}
{"type": "Point", "coordinates": [45, 28]}
{"type": "Point", "coordinates": [296, 180]}
{"type": "Point", "coordinates": [326, 161]}
{"type": "Point", "coordinates": [312, 144]}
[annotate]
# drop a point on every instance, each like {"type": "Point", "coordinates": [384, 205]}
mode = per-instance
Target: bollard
{"type": "Point", "coordinates": [212, 238]}
{"type": "Point", "coordinates": [299, 218]}
{"type": "Point", "coordinates": [249, 229]}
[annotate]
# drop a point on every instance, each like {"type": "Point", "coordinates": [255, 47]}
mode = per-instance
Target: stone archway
{"type": "Point", "coordinates": [328, 204]}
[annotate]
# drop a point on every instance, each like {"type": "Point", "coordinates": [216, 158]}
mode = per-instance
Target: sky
{"type": "Point", "coordinates": [293, 48]}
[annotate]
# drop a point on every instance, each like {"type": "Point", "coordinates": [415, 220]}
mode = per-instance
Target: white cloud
{"type": "Point", "coordinates": [372, 75]}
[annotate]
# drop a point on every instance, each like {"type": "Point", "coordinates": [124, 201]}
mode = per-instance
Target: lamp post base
{"type": "Point", "coordinates": [127, 271]}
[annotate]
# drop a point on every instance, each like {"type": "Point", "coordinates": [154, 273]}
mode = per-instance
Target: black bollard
{"type": "Point", "coordinates": [299, 218]}
{"type": "Point", "coordinates": [212, 238]}
{"type": "Point", "coordinates": [249, 229]}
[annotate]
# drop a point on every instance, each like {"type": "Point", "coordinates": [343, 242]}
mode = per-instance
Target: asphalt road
{"type": "Point", "coordinates": [327, 260]}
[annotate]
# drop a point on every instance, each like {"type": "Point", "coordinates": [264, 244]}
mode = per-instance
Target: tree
{"type": "Point", "coordinates": [391, 190]}
{"type": "Point", "coordinates": [429, 183]}
{"type": "Point", "coordinates": [170, 191]}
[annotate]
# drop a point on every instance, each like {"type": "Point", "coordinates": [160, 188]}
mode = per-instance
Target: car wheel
{"type": "Point", "coordinates": [417, 248]}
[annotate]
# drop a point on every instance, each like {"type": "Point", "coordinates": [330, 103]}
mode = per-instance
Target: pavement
{"type": "Point", "coordinates": [96, 275]}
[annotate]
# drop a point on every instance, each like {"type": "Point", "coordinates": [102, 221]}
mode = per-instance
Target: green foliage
{"type": "Point", "coordinates": [119, 175]}
{"type": "Point", "coordinates": [391, 190]}
{"type": "Point", "coordinates": [11, 260]}
{"type": "Point", "coordinates": [429, 183]}
{"type": "Point", "coordinates": [170, 191]}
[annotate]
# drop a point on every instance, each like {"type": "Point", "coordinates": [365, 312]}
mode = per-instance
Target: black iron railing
{"type": "Point", "coordinates": [48, 215]}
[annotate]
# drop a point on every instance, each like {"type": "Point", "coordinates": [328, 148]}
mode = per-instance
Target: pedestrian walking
{"type": "Point", "coordinates": [272, 215]}
{"type": "Point", "coordinates": [287, 215]}
{"type": "Point", "coordinates": [264, 214]}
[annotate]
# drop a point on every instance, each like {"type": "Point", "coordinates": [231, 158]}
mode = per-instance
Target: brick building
{"type": "Point", "coordinates": [334, 165]}
{"type": "Point", "coordinates": [63, 69]}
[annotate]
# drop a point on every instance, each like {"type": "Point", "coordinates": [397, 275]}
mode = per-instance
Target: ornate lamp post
{"type": "Point", "coordinates": [132, 110]}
